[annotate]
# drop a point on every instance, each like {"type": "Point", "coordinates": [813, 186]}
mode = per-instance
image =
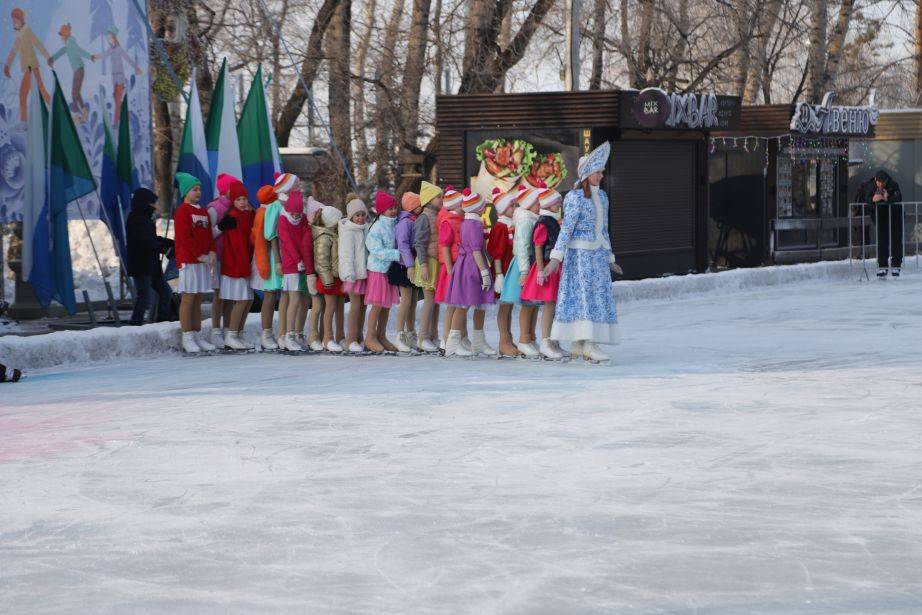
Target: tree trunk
{"type": "Point", "coordinates": [817, 56]}
{"type": "Point", "coordinates": [163, 131]}
{"type": "Point", "coordinates": [438, 65]}
{"type": "Point", "coordinates": [598, 44]}
{"type": "Point", "coordinates": [413, 71]}
{"type": "Point", "coordinates": [309, 68]}
{"type": "Point", "coordinates": [743, 33]}
{"type": "Point", "coordinates": [767, 20]}
{"type": "Point", "coordinates": [917, 52]}
{"type": "Point", "coordinates": [276, 87]}
{"type": "Point", "coordinates": [837, 44]}
{"type": "Point", "coordinates": [358, 94]}
{"type": "Point", "coordinates": [681, 47]}
{"type": "Point", "coordinates": [384, 105]}
{"type": "Point", "coordinates": [338, 44]}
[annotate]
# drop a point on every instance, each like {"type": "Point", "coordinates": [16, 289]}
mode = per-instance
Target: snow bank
{"type": "Point", "coordinates": [735, 280]}
{"type": "Point", "coordinates": [104, 344]}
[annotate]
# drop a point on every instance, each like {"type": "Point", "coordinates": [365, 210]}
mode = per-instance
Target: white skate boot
{"type": "Point", "coordinates": [480, 345]}
{"type": "Point", "coordinates": [453, 347]}
{"type": "Point", "coordinates": [548, 351]}
{"type": "Point", "coordinates": [188, 343]}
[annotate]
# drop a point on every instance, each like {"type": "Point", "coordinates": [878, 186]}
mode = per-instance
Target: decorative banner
{"type": "Point", "coordinates": [654, 108]}
{"type": "Point", "coordinates": [98, 48]}
{"type": "Point", "coordinates": [830, 120]}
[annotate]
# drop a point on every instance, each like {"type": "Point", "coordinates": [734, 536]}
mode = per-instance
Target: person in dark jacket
{"type": "Point", "coordinates": [881, 193]}
{"type": "Point", "coordinates": [144, 250]}
{"type": "Point", "coordinates": [8, 374]}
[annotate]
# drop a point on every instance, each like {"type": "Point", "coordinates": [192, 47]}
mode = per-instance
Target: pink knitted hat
{"type": "Point", "coordinates": [313, 206]}
{"type": "Point", "coordinates": [383, 202]}
{"type": "Point", "coordinates": [295, 202]}
{"type": "Point", "coordinates": [224, 182]}
{"type": "Point", "coordinates": [409, 201]}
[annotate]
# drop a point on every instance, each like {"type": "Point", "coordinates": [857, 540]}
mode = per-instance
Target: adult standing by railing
{"type": "Point", "coordinates": [884, 196]}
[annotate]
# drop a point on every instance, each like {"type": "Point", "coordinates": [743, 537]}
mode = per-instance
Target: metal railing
{"type": "Point", "coordinates": [914, 241]}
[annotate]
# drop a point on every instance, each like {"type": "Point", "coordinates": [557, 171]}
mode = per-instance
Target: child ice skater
{"type": "Point", "coordinates": [353, 258]}
{"type": "Point", "coordinates": [195, 256]}
{"type": "Point", "coordinates": [220, 222]}
{"type": "Point", "coordinates": [261, 266]}
{"type": "Point", "coordinates": [524, 220]}
{"type": "Point", "coordinates": [297, 247]}
{"type": "Point", "coordinates": [541, 289]}
{"type": "Point", "coordinates": [329, 286]}
{"type": "Point", "coordinates": [426, 235]}
{"type": "Point", "coordinates": [449, 221]}
{"type": "Point", "coordinates": [499, 247]}
{"type": "Point", "coordinates": [235, 266]}
{"type": "Point", "coordinates": [312, 301]}
{"type": "Point", "coordinates": [471, 284]}
{"type": "Point", "coordinates": [381, 243]}
{"type": "Point", "coordinates": [401, 274]}
{"type": "Point", "coordinates": [285, 183]}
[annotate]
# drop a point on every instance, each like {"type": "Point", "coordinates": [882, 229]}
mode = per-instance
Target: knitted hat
{"type": "Point", "coordinates": [472, 202]}
{"type": "Point", "coordinates": [383, 202]}
{"type": "Point", "coordinates": [313, 206]}
{"type": "Point", "coordinates": [18, 13]}
{"type": "Point", "coordinates": [330, 216]}
{"type": "Point", "coordinates": [427, 192]}
{"type": "Point", "coordinates": [266, 195]}
{"type": "Point", "coordinates": [451, 199]}
{"type": "Point", "coordinates": [143, 197]}
{"type": "Point", "coordinates": [285, 182]}
{"type": "Point", "coordinates": [549, 197]}
{"type": "Point", "coordinates": [295, 203]}
{"type": "Point", "coordinates": [236, 190]}
{"type": "Point", "coordinates": [355, 206]}
{"type": "Point", "coordinates": [410, 201]}
{"type": "Point", "coordinates": [502, 201]}
{"type": "Point", "coordinates": [224, 182]}
{"type": "Point", "coordinates": [526, 196]}
{"type": "Point", "coordinates": [186, 183]}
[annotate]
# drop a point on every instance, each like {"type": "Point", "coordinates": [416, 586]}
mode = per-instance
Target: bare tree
{"type": "Point", "coordinates": [358, 94]}
{"type": "Point", "coordinates": [598, 43]}
{"type": "Point", "coordinates": [339, 86]}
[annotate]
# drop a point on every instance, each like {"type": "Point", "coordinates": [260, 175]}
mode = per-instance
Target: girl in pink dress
{"type": "Point", "coordinates": [538, 287]}
{"type": "Point", "coordinates": [471, 283]}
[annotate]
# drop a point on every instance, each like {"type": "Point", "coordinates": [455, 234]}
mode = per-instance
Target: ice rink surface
{"type": "Point", "coordinates": [759, 452]}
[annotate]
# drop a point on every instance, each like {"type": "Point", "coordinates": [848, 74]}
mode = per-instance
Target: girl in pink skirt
{"type": "Point", "coordinates": [471, 283]}
{"type": "Point", "coordinates": [352, 268]}
{"type": "Point", "coordinates": [381, 243]}
{"type": "Point", "coordinates": [541, 288]}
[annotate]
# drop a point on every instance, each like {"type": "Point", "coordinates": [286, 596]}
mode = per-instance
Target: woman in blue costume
{"type": "Point", "coordinates": [586, 313]}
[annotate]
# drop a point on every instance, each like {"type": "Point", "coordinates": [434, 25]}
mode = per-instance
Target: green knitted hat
{"type": "Point", "coordinates": [186, 183]}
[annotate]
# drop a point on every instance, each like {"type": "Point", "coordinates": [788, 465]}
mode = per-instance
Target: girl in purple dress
{"type": "Point", "coordinates": [471, 283]}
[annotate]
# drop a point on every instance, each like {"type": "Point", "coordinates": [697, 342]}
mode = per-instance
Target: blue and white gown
{"type": "Point", "coordinates": [586, 301]}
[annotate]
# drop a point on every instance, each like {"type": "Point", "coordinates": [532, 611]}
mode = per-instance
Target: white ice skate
{"type": "Point", "coordinates": [454, 348]}
{"type": "Point", "coordinates": [895, 272]}
{"type": "Point", "coordinates": [593, 354]}
{"type": "Point", "coordinates": [466, 343]}
{"type": "Point", "coordinates": [333, 347]}
{"type": "Point", "coordinates": [267, 341]}
{"type": "Point", "coordinates": [428, 346]}
{"type": "Point", "coordinates": [356, 348]}
{"type": "Point", "coordinates": [203, 343]}
{"type": "Point", "coordinates": [412, 340]}
{"type": "Point", "coordinates": [291, 343]}
{"type": "Point", "coordinates": [315, 346]}
{"type": "Point", "coordinates": [188, 343]}
{"type": "Point", "coordinates": [528, 349]}
{"type": "Point", "coordinates": [548, 351]}
{"type": "Point", "coordinates": [217, 338]}
{"type": "Point", "coordinates": [556, 346]}
{"type": "Point", "coordinates": [480, 345]}
{"type": "Point", "coordinates": [401, 343]}
{"type": "Point", "coordinates": [233, 342]}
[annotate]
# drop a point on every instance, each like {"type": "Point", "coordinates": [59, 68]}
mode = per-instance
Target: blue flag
{"type": "Point", "coordinates": [109, 193]}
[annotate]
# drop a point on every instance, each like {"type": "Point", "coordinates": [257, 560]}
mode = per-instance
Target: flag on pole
{"type": "Point", "coordinates": [221, 130]}
{"type": "Point", "coordinates": [69, 178]}
{"type": "Point", "coordinates": [193, 153]}
{"type": "Point", "coordinates": [36, 229]}
{"type": "Point", "coordinates": [258, 155]}
{"type": "Point", "coordinates": [108, 192]}
{"type": "Point", "coordinates": [124, 165]}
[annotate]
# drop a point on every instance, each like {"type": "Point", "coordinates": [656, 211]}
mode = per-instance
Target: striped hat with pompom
{"type": "Point", "coordinates": [451, 199]}
{"type": "Point", "coordinates": [503, 201]}
{"type": "Point", "coordinates": [472, 202]}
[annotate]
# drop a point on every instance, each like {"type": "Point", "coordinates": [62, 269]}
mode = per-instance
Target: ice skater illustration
{"type": "Point", "coordinates": [24, 46]}
{"type": "Point", "coordinates": [117, 55]}
{"type": "Point", "coordinates": [75, 54]}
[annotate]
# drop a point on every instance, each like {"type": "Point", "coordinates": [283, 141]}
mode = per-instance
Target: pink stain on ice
{"type": "Point", "coordinates": [29, 439]}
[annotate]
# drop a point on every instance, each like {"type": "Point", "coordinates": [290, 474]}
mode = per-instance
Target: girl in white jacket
{"type": "Point", "coordinates": [352, 269]}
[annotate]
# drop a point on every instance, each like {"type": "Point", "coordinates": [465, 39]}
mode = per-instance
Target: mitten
{"type": "Point", "coordinates": [498, 284]}
{"type": "Point", "coordinates": [312, 284]}
{"type": "Point", "coordinates": [227, 223]}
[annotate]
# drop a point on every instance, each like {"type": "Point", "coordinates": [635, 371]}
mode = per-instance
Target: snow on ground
{"type": "Point", "coordinates": [754, 452]}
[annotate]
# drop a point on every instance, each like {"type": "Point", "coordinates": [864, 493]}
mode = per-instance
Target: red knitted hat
{"type": "Point", "coordinates": [383, 202]}
{"type": "Point", "coordinates": [236, 190]}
